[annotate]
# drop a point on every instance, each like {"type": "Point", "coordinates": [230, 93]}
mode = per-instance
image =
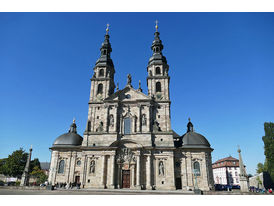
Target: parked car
{"type": "Point", "coordinates": [219, 187]}
{"type": "Point", "coordinates": [236, 187]}
{"type": "Point", "coordinates": [228, 187]}
{"type": "Point", "coordinates": [11, 183]}
{"type": "Point", "coordinates": [2, 183]}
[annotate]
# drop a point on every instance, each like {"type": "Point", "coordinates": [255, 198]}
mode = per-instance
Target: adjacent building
{"type": "Point", "coordinates": [226, 171]}
{"type": "Point", "coordinates": [128, 141]}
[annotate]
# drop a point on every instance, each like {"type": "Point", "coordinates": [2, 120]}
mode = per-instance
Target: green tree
{"type": "Point", "coordinates": [269, 148]}
{"type": "Point", "coordinates": [14, 165]}
{"type": "Point", "coordinates": [39, 175]}
{"type": "Point", "coordinates": [260, 168]}
{"type": "Point", "coordinates": [33, 163]}
{"type": "Point", "coordinates": [2, 165]}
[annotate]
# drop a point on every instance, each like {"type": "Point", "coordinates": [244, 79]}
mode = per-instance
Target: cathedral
{"type": "Point", "coordinates": [128, 141]}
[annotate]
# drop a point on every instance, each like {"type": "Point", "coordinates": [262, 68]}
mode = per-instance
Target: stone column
{"type": "Point", "coordinates": [138, 172]}
{"type": "Point", "coordinates": [73, 163]}
{"type": "Point", "coordinates": [93, 120]}
{"type": "Point", "coordinates": [116, 118]}
{"type": "Point", "coordinates": [184, 173]}
{"type": "Point", "coordinates": [112, 170]}
{"type": "Point", "coordinates": [56, 168]}
{"type": "Point", "coordinates": [132, 176]}
{"type": "Point", "coordinates": [106, 119]}
{"type": "Point", "coordinates": [69, 167]}
{"type": "Point", "coordinates": [83, 171]}
{"type": "Point", "coordinates": [148, 173]}
{"type": "Point", "coordinates": [119, 176]}
{"type": "Point", "coordinates": [103, 171]}
{"type": "Point", "coordinates": [148, 119]}
{"type": "Point", "coordinates": [139, 125]}
{"type": "Point", "coordinates": [190, 170]}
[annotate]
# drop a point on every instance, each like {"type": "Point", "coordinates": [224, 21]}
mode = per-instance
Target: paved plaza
{"type": "Point", "coordinates": [36, 191]}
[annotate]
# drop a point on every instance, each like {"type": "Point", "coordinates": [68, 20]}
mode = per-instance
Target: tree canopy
{"type": "Point", "coordinates": [39, 175]}
{"type": "Point", "coordinates": [260, 168]}
{"type": "Point", "coordinates": [269, 148]}
{"type": "Point", "coordinates": [15, 163]}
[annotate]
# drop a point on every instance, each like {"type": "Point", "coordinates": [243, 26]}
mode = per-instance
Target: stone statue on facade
{"type": "Point", "coordinates": [92, 167]}
{"type": "Point", "coordinates": [156, 127]}
{"type": "Point", "coordinates": [100, 127]}
{"type": "Point", "coordinates": [161, 168]}
{"type": "Point", "coordinates": [125, 155]}
{"type": "Point", "coordinates": [129, 79]}
{"type": "Point", "coordinates": [111, 120]}
{"type": "Point", "coordinates": [144, 120]}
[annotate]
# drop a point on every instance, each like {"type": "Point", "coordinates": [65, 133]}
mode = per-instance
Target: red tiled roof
{"type": "Point", "coordinates": [226, 162]}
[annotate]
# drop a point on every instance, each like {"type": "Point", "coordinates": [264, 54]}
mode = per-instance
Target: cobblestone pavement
{"type": "Point", "coordinates": [9, 191]}
{"type": "Point", "coordinates": [20, 191]}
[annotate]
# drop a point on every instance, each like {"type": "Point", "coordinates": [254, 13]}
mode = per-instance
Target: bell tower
{"type": "Point", "coordinates": [158, 85]}
{"type": "Point", "coordinates": [102, 81]}
{"type": "Point", "coordinates": [158, 78]}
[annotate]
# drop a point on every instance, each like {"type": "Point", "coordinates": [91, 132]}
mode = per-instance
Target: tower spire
{"type": "Point", "coordinates": [104, 59]}
{"type": "Point", "coordinates": [107, 29]}
{"type": "Point", "coordinates": [156, 25]}
{"type": "Point", "coordinates": [157, 47]}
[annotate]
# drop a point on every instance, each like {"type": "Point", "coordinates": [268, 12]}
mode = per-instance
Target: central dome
{"type": "Point", "coordinates": [69, 139]}
{"type": "Point", "coordinates": [192, 139]}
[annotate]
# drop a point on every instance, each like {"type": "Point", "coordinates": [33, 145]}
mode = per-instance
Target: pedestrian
{"type": "Point", "coordinates": [270, 190]}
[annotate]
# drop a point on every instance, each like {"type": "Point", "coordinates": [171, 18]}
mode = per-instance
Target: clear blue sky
{"type": "Point", "coordinates": [221, 68]}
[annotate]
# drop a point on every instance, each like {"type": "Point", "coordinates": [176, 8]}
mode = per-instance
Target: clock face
{"type": "Point", "coordinates": [159, 95]}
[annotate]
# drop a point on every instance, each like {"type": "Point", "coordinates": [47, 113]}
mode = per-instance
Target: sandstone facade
{"type": "Point", "coordinates": [128, 141]}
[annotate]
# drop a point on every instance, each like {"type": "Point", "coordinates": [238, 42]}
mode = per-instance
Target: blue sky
{"type": "Point", "coordinates": [221, 68]}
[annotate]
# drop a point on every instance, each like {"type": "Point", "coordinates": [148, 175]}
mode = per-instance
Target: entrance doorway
{"type": "Point", "coordinates": [77, 179]}
{"type": "Point", "coordinates": [125, 178]}
{"type": "Point", "coordinates": [178, 183]}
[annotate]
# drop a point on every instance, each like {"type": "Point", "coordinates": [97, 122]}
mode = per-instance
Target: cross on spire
{"type": "Point", "coordinates": [107, 29]}
{"type": "Point", "coordinates": [156, 25]}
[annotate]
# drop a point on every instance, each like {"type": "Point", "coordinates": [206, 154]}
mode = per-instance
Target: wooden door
{"type": "Point", "coordinates": [77, 179]}
{"type": "Point", "coordinates": [126, 179]}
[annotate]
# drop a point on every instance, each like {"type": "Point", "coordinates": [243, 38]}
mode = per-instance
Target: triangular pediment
{"type": "Point", "coordinates": [128, 94]}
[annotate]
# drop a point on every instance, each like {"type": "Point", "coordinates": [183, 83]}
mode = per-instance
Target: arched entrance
{"type": "Point", "coordinates": [128, 164]}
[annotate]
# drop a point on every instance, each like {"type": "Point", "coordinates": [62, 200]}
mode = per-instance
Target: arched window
{"type": "Point", "coordinates": [158, 70]}
{"type": "Point", "coordinates": [61, 166]}
{"type": "Point", "coordinates": [127, 125]}
{"type": "Point", "coordinates": [100, 89]}
{"type": "Point", "coordinates": [101, 72]}
{"type": "Point", "coordinates": [89, 126]}
{"type": "Point", "coordinates": [158, 87]}
{"type": "Point", "coordinates": [196, 166]}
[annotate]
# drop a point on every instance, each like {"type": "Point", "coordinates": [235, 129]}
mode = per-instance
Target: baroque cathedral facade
{"type": "Point", "coordinates": [128, 141]}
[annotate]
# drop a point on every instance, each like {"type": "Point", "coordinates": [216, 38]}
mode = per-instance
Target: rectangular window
{"type": "Point", "coordinates": [127, 126]}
